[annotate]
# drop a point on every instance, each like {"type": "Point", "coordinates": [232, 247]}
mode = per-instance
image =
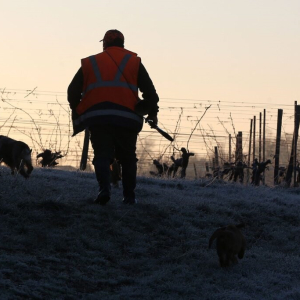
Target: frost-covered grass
{"type": "Point", "coordinates": [55, 243]}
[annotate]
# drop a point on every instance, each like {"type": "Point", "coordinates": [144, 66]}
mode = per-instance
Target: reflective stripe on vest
{"type": "Point", "coordinates": [107, 112]}
{"type": "Point", "coordinates": [114, 83]}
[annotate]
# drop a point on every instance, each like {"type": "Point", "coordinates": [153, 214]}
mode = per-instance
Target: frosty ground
{"type": "Point", "coordinates": [55, 243]}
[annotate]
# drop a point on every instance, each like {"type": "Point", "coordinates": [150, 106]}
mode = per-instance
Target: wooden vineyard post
{"type": "Point", "coordinates": [229, 158]}
{"type": "Point", "coordinates": [264, 142]}
{"type": "Point", "coordinates": [259, 141]}
{"type": "Point", "coordinates": [293, 157]}
{"type": "Point", "coordinates": [254, 129]}
{"type": "Point", "coordinates": [297, 114]}
{"type": "Point", "coordinates": [216, 157]}
{"type": "Point", "coordinates": [239, 147]}
{"type": "Point", "coordinates": [249, 153]}
{"type": "Point", "coordinates": [277, 149]}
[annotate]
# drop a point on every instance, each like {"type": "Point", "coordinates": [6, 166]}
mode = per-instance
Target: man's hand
{"type": "Point", "coordinates": [153, 120]}
{"type": "Point", "coordinates": [142, 108]}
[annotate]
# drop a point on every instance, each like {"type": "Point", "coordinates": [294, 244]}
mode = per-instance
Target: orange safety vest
{"type": "Point", "coordinates": [110, 90]}
{"type": "Point", "coordinates": [110, 76]}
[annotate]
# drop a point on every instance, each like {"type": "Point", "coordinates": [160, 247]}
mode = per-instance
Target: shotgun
{"type": "Point", "coordinates": [163, 133]}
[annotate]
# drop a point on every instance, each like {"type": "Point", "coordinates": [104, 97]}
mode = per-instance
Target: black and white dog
{"type": "Point", "coordinates": [16, 155]}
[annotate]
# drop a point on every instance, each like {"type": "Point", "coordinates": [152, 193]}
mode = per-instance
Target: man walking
{"type": "Point", "coordinates": [103, 97]}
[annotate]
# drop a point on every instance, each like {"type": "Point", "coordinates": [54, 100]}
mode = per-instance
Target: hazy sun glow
{"type": "Point", "coordinates": [220, 50]}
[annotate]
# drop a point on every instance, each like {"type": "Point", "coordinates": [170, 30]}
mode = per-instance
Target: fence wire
{"type": "Point", "coordinates": [42, 120]}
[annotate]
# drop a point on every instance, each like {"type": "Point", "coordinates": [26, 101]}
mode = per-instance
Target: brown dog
{"type": "Point", "coordinates": [16, 155]}
{"type": "Point", "coordinates": [230, 242]}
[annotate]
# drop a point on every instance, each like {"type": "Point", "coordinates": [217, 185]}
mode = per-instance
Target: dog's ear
{"type": "Point", "coordinates": [30, 150]}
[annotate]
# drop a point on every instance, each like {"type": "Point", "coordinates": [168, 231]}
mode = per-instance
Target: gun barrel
{"type": "Point", "coordinates": [163, 133]}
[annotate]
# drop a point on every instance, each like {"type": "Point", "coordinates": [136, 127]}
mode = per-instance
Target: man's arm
{"type": "Point", "coordinates": [146, 87]}
{"type": "Point", "coordinates": [75, 90]}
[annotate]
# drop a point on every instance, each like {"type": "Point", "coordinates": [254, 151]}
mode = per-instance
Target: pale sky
{"type": "Point", "coordinates": [228, 50]}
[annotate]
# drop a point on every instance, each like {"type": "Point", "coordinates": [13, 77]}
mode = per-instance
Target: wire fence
{"type": "Point", "coordinates": [42, 120]}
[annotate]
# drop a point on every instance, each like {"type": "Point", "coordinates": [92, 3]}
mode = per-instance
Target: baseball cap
{"type": "Point", "coordinates": [112, 35]}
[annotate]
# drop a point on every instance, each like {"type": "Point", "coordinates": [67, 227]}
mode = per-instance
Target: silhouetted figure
{"type": "Point", "coordinates": [16, 155]}
{"type": "Point", "coordinates": [171, 170]}
{"type": "Point", "coordinates": [49, 158]}
{"type": "Point", "coordinates": [176, 164]}
{"type": "Point", "coordinates": [185, 161]}
{"type": "Point", "coordinates": [159, 167]}
{"type": "Point", "coordinates": [228, 169]}
{"type": "Point", "coordinates": [257, 170]}
{"type": "Point", "coordinates": [162, 169]}
{"type": "Point", "coordinates": [166, 168]}
{"type": "Point", "coordinates": [104, 97]}
{"type": "Point", "coordinates": [238, 172]}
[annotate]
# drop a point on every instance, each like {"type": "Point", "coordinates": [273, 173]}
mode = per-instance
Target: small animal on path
{"type": "Point", "coordinates": [230, 242]}
{"type": "Point", "coordinates": [49, 158]}
{"type": "Point", "coordinates": [16, 155]}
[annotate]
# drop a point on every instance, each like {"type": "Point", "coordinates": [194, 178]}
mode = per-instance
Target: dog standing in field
{"type": "Point", "coordinates": [230, 242]}
{"type": "Point", "coordinates": [16, 155]}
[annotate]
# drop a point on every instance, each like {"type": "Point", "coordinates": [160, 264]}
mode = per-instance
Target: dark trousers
{"type": "Point", "coordinates": [111, 142]}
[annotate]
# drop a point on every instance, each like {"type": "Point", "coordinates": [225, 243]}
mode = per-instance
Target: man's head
{"type": "Point", "coordinates": [113, 37]}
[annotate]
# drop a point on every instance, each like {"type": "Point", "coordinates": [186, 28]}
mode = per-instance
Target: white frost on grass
{"type": "Point", "coordinates": [55, 243]}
